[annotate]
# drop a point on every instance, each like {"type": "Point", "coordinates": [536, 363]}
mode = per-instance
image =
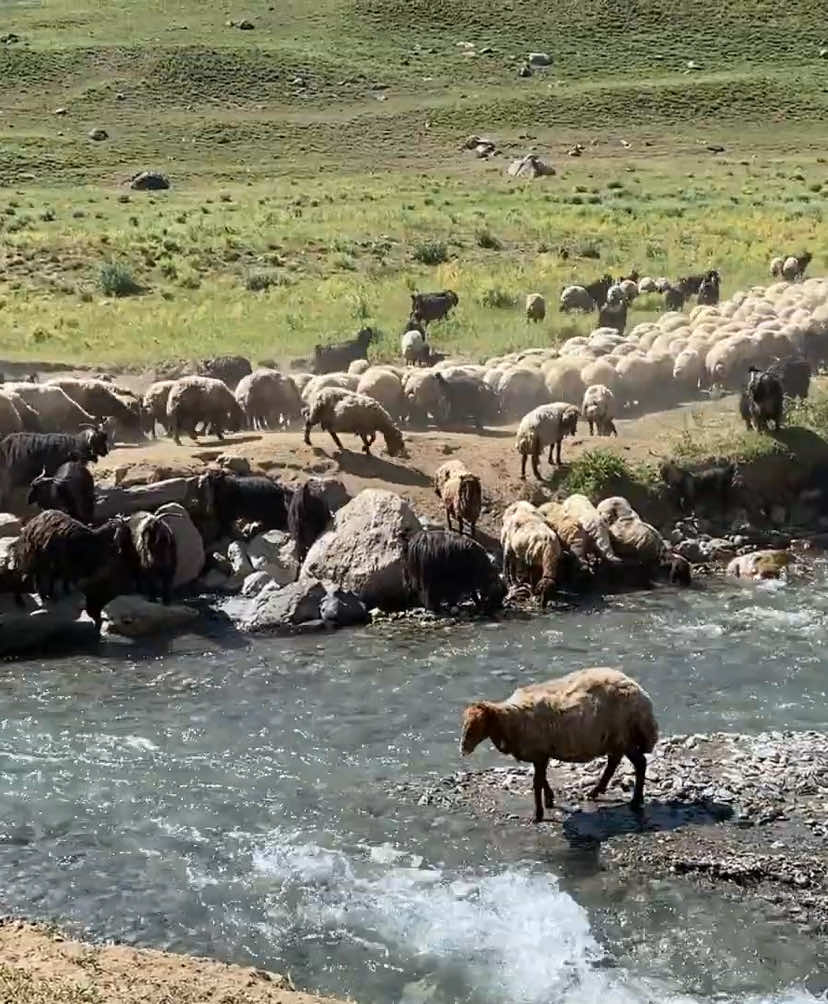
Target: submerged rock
{"type": "Point", "coordinates": [343, 609]}
{"type": "Point", "coordinates": [136, 617]}
{"type": "Point", "coordinates": [35, 623]}
{"type": "Point", "coordinates": [274, 609]}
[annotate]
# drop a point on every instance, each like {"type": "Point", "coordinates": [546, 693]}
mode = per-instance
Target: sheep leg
{"type": "Point", "coordinates": [535, 465]}
{"type": "Point", "coordinates": [448, 518]}
{"type": "Point", "coordinates": [558, 451]}
{"type": "Point", "coordinates": [639, 761]}
{"type": "Point", "coordinates": [308, 428]}
{"type": "Point", "coordinates": [541, 786]}
{"type": "Point", "coordinates": [335, 438]}
{"type": "Point", "coordinates": [612, 431]}
{"type": "Point", "coordinates": [606, 777]}
{"type": "Point", "coordinates": [590, 430]}
{"type": "Point", "coordinates": [523, 467]}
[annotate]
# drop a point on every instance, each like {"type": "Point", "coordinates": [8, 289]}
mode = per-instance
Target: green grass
{"type": "Point", "coordinates": [599, 473]}
{"type": "Point", "coordinates": [304, 207]}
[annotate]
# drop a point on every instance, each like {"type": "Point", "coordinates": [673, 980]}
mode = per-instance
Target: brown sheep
{"type": "Point", "coordinates": [460, 492]}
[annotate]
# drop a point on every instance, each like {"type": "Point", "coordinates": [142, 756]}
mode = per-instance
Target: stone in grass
{"type": "Point", "coordinates": [98, 135]}
{"type": "Point", "coordinates": [149, 181]}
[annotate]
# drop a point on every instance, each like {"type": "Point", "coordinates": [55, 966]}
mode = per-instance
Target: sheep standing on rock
{"type": "Point", "coordinates": [354, 413]}
{"type": "Point", "coordinates": [195, 399]}
{"type": "Point", "coordinates": [441, 566]}
{"type": "Point", "coordinates": [597, 408]}
{"type": "Point", "coordinates": [545, 426]}
{"type": "Point", "coordinates": [535, 307]}
{"type": "Point", "coordinates": [587, 714]}
{"type": "Point", "coordinates": [460, 493]}
{"type": "Point", "coordinates": [157, 555]}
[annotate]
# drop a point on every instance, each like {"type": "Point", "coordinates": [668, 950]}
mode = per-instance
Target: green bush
{"type": "Point", "coordinates": [486, 239]}
{"type": "Point", "coordinates": [256, 282]}
{"type": "Point", "coordinates": [494, 296]}
{"type": "Point", "coordinates": [117, 280]}
{"type": "Point", "coordinates": [430, 253]}
{"type": "Point", "coordinates": [594, 473]}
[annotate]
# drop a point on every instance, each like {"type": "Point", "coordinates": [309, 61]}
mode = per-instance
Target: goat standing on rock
{"type": "Point", "coordinates": [587, 714]}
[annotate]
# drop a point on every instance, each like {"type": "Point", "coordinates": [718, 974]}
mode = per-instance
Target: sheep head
{"type": "Point", "coordinates": [479, 723]}
{"type": "Point", "coordinates": [569, 421]}
{"type": "Point", "coordinates": [394, 443]}
{"type": "Point", "coordinates": [39, 488]}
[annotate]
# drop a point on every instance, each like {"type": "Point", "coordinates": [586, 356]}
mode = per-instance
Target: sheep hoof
{"type": "Point", "coordinates": [538, 817]}
{"type": "Point", "coordinates": [637, 804]}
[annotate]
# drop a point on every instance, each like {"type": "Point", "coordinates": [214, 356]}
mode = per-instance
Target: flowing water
{"type": "Point", "coordinates": [232, 799]}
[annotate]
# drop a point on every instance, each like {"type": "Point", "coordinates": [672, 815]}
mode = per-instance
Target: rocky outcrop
{"type": "Point", "coordinates": [10, 525]}
{"type": "Point", "coordinates": [189, 545]}
{"type": "Point", "coordinates": [277, 609]}
{"type": "Point", "coordinates": [364, 551]}
{"type": "Point", "coordinates": [274, 552]}
{"type": "Point", "coordinates": [135, 617]}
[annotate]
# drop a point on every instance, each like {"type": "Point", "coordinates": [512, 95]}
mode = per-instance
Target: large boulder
{"type": "Point", "coordinates": [135, 617]}
{"type": "Point", "coordinates": [364, 551]}
{"type": "Point", "coordinates": [10, 525]}
{"type": "Point", "coordinates": [189, 545]}
{"type": "Point", "coordinates": [767, 564]}
{"type": "Point", "coordinates": [277, 609]}
{"type": "Point", "coordinates": [342, 609]}
{"type": "Point", "coordinates": [274, 552]}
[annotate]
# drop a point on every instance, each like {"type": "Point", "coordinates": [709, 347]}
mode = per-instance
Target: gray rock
{"type": "Point", "coordinates": [255, 583]}
{"type": "Point", "coordinates": [239, 561]}
{"type": "Point", "coordinates": [238, 465]}
{"type": "Point", "coordinates": [540, 59]}
{"type": "Point", "coordinates": [136, 617]}
{"type": "Point", "coordinates": [363, 553]}
{"type": "Point", "coordinates": [719, 549]}
{"type": "Point", "coordinates": [275, 609]}
{"type": "Point", "coordinates": [98, 135]}
{"type": "Point", "coordinates": [189, 545]}
{"type": "Point", "coordinates": [149, 181]}
{"type": "Point", "coordinates": [342, 609]}
{"type": "Point", "coordinates": [691, 550]}
{"type": "Point", "coordinates": [36, 623]}
{"type": "Point", "coordinates": [10, 525]}
{"type": "Point", "coordinates": [274, 552]}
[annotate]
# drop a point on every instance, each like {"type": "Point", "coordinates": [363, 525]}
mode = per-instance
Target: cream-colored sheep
{"type": "Point", "coordinates": [544, 426]}
{"type": "Point", "coordinates": [56, 411]}
{"type": "Point", "coordinates": [631, 537]}
{"type": "Point", "coordinates": [356, 413]}
{"type": "Point", "coordinates": [344, 381]}
{"type": "Point", "coordinates": [426, 397]}
{"type": "Point", "coordinates": [521, 388]}
{"type": "Point", "coordinates": [195, 399]}
{"type": "Point", "coordinates": [598, 409]}
{"type": "Point", "coordinates": [535, 307]}
{"type": "Point", "coordinates": [587, 714]}
{"type": "Point", "coordinates": [531, 555]}
{"type": "Point", "coordinates": [357, 367]}
{"type": "Point", "coordinates": [460, 493]}
{"type": "Point", "coordinates": [570, 532]}
{"type": "Point", "coordinates": [100, 399]}
{"type": "Point", "coordinates": [385, 387]}
{"type": "Point", "coordinates": [688, 369]}
{"type": "Point", "coordinates": [768, 564]}
{"type": "Point", "coordinates": [563, 380]}
{"type": "Point", "coordinates": [776, 265]}
{"type": "Point", "coordinates": [579, 508]}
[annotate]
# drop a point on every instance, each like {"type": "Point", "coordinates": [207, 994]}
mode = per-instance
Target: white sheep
{"type": "Point", "coordinates": [531, 555]}
{"type": "Point", "coordinates": [629, 289]}
{"type": "Point", "coordinates": [776, 265]}
{"type": "Point", "coordinates": [631, 537]}
{"type": "Point", "coordinates": [356, 413]}
{"type": "Point", "coordinates": [194, 399]}
{"type": "Point", "coordinates": [268, 399]}
{"type": "Point", "coordinates": [688, 369]}
{"type": "Point", "coordinates": [647, 284]}
{"type": "Point", "coordinates": [344, 381]}
{"type": "Point", "coordinates": [581, 716]}
{"type": "Point", "coordinates": [155, 405]}
{"type": "Point", "coordinates": [544, 426]}
{"type": "Point", "coordinates": [535, 307]}
{"type": "Point", "coordinates": [415, 349]}
{"type": "Point", "coordinates": [521, 387]}
{"type": "Point", "coordinates": [615, 294]}
{"type": "Point", "coordinates": [598, 409]}
{"type": "Point", "coordinates": [426, 397]}
{"type": "Point", "coordinates": [56, 411]}
{"type": "Point", "coordinates": [355, 368]}
{"type": "Point", "coordinates": [579, 508]}
{"type": "Point", "coordinates": [576, 298]}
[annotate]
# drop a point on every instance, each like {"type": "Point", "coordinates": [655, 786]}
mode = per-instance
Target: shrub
{"type": "Point", "coordinates": [486, 239]}
{"type": "Point", "coordinates": [494, 296]}
{"type": "Point", "coordinates": [258, 281]}
{"type": "Point", "coordinates": [430, 253]}
{"type": "Point", "coordinates": [117, 280]}
{"type": "Point", "coordinates": [594, 473]}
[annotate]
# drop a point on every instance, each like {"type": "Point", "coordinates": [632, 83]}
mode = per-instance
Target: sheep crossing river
{"type": "Point", "coordinates": [242, 801]}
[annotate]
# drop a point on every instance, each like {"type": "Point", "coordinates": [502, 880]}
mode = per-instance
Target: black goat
{"type": "Point", "coordinates": [308, 517]}
{"type": "Point", "coordinates": [708, 293]}
{"type": "Point", "coordinates": [762, 400]}
{"type": "Point", "coordinates": [427, 307]}
{"type": "Point", "coordinates": [711, 484]}
{"type": "Point", "coordinates": [70, 490]}
{"type": "Point", "coordinates": [794, 374]}
{"type": "Point", "coordinates": [228, 369]}
{"type": "Point", "coordinates": [254, 499]}
{"type": "Point", "coordinates": [441, 566]}
{"type": "Point", "coordinates": [673, 298]}
{"type": "Point", "coordinates": [598, 290]}
{"type": "Point", "coordinates": [469, 398]}
{"type": "Point", "coordinates": [613, 315]}
{"type": "Point", "coordinates": [54, 548]}
{"type": "Point", "coordinates": [333, 358]}
{"type": "Point", "coordinates": [24, 455]}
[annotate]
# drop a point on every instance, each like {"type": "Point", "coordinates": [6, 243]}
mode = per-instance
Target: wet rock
{"type": "Point", "coordinates": [274, 552]}
{"type": "Point", "coordinates": [135, 617]}
{"type": "Point", "coordinates": [98, 135]}
{"type": "Point", "coordinates": [341, 608]}
{"type": "Point", "coordinates": [189, 545]}
{"type": "Point", "coordinates": [238, 465]}
{"type": "Point", "coordinates": [10, 525]}
{"type": "Point", "coordinates": [364, 551]}
{"type": "Point", "coordinates": [239, 561]}
{"type": "Point", "coordinates": [255, 583]}
{"type": "Point", "coordinates": [691, 550]}
{"type": "Point", "coordinates": [275, 609]}
{"type": "Point", "coordinates": [35, 623]}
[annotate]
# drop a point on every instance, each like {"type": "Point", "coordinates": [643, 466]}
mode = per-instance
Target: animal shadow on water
{"type": "Point", "coordinates": [588, 829]}
{"type": "Point", "coordinates": [362, 465]}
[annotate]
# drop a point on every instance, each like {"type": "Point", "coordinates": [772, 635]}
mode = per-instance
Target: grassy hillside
{"type": "Point", "coordinates": [318, 150]}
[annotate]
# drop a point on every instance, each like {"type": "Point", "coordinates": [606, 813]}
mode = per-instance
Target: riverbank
{"type": "Point", "coordinates": [38, 965]}
{"type": "Point", "coordinates": [744, 814]}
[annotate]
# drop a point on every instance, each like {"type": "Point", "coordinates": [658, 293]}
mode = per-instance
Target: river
{"type": "Point", "coordinates": [232, 799]}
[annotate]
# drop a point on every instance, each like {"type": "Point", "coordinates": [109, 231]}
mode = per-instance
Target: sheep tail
{"type": "Point", "coordinates": [470, 497]}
